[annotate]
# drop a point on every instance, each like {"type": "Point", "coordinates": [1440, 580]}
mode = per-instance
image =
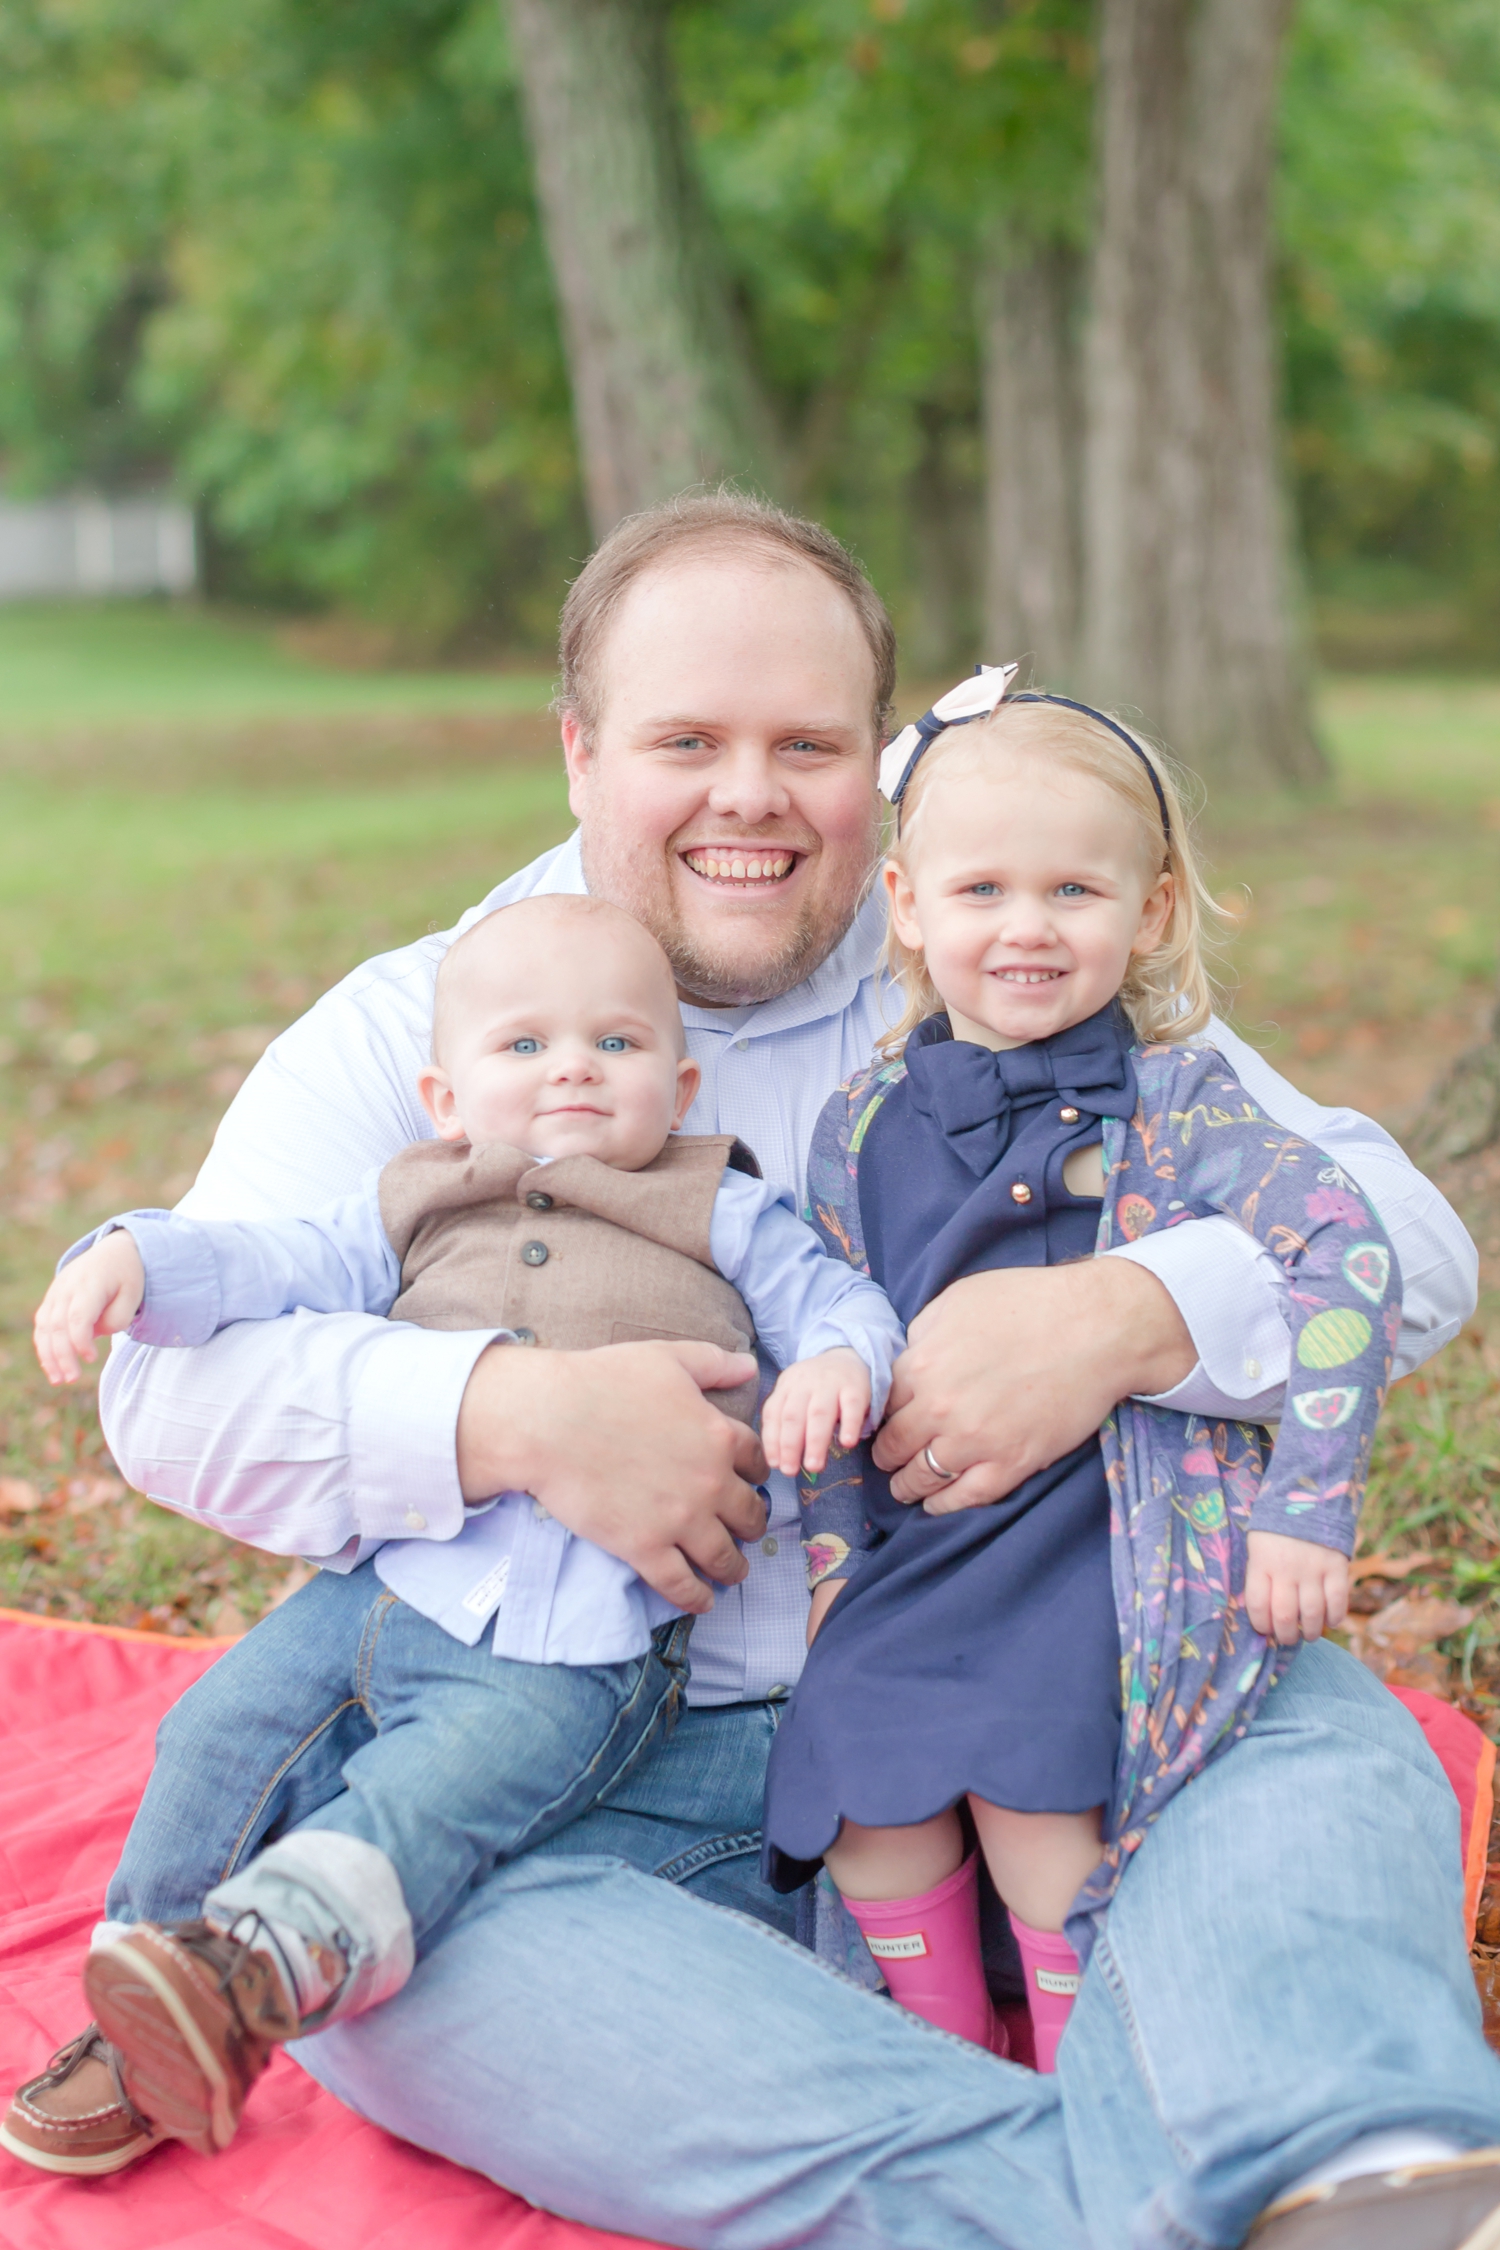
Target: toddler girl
{"type": "Point", "coordinates": [1048, 1092]}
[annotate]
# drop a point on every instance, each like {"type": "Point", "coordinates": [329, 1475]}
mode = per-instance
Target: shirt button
{"type": "Point", "coordinates": [415, 1520]}
{"type": "Point", "coordinates": [534, 1254]}
{"type": "Point", "coordinates": [778, 1694]}
{"type": "Point", "coordinates": [769, 1546]}
{"type": "Point", "coordinates": [1252, 1369]}
{"type": "Point", "coordinates": [741, 1045]}
{"type": "Point", "coordinates": [1020, 1193]}
{"type": "Point", "coordinates": [536, 1201]}
{"type": "Point", "coordinates": [524, 1335]}
{"type": "Point", "coordinates": [1068, 1116]}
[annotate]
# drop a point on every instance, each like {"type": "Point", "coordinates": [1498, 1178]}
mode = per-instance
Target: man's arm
{"type": "Point", "coordinates": [326, 1434]}
{"type": "Point", "coordinates": [1193, 1319]}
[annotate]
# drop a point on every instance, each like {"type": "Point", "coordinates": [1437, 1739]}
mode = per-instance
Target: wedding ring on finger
{"type": "Point", "coordinates": [936, 1465]}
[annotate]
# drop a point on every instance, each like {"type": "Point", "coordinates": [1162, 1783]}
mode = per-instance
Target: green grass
{"type": "Point", "coordinates": [103, 664]}
{"type": "Point", "coordinates": [167, 906]}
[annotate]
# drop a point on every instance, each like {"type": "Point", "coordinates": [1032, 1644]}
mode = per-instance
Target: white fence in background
{"type": "Point", "coordinates": [86, 545]}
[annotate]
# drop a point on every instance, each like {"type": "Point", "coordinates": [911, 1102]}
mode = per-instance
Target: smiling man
{"type": "Point", "coordinates": [1280, 2001]}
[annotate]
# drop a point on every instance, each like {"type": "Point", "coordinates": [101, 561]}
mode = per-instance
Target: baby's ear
{"type": "Point", "coordinates": [689, 1079]}
{"type": "Point", "coordinates": [436, 1091]}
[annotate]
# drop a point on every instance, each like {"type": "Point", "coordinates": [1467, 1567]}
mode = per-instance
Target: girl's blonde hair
{"type": "Point", "coordinates": [1167, 994]}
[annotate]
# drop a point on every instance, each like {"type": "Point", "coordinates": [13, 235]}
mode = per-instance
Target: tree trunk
{"type": "Point", "coordinates": [663, 392]}
{"type": "Point", "coordinates": [944, 526]}
{"type": "Point", "coordinates": [1029, 325]}
{"type": "Point", "coordinates": [1462, 1113]}
{"type": "Point", "coordinates": [1187, 613]}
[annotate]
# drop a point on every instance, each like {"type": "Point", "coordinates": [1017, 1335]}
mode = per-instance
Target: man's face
{"type": "Point", "coordinates": [728, 798]}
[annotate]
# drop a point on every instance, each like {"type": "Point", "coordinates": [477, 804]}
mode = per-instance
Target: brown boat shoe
{"type": "Point", "coordinates": [194, 2015]}
{"type": "Point", "coordinates": [76, 2116]}
{"type": "Point", "coordinates": [1453, 2205]}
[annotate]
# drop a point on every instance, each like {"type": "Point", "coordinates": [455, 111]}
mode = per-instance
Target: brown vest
{"type": "Point", "coordinates": [569, 1255]}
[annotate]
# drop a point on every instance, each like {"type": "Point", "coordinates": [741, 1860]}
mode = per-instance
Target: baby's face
{"type": "Point", "coordinates": [563, 1040]}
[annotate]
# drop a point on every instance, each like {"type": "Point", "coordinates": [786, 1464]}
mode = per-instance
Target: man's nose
{"type": "Point", "coordinates": [748, 786]}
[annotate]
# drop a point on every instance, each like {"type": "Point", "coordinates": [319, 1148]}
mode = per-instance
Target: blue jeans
{"type": "Point", "coordinates": [1283, 1970]}
{"type": "Point", "coordinates": [347, 1710]}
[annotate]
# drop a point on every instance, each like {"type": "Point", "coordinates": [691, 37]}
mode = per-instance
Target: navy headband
{"type": "Point", "coordinates": [988, 686]}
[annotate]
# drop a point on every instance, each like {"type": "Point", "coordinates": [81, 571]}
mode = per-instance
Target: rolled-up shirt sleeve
{"type": "Point", "coordinates": [1232, 1293]}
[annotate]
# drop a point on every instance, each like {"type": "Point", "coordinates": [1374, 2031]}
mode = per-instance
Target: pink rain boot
{"type": "Point", "coordinates": [928, 1950]}
{"type": "Point", "coordinates": [1052, 1980]}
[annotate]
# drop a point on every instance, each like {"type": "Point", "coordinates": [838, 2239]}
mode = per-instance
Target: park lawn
{"type": "Point", "coordinates": [100, 664]}
{"type": "Point", "coordinates": [169, 899]}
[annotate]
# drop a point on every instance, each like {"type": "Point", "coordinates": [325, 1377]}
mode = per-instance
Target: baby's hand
{"type": "Point", "coordinates": [824, 1595]}
{"type": "Point", "coordinates": [1293, 1588]}
{"type": "Point", "coordinates": [812, 1402]}
{"type": "Point", "coordinates": [95, 1295]}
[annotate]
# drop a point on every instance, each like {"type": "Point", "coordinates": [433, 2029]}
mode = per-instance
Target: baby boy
{"type": "Point", "coordinates": [328, 1792]}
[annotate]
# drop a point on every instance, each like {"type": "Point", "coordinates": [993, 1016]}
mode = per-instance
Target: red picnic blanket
{"type": "Point", "coordinates": [82, 1704]}
{"type": "Point", "coordinates": [81, 1708]}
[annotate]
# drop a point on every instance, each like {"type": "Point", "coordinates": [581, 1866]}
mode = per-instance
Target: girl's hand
{"type": "Point", "coordinates": [1294, 1589]}
{"type": "Point", "coordinates": [95, 1295]}
{"type": "Point", "coordinates": [814, 1401]}
{"type": "Point", "coordinates": [824, 1595]}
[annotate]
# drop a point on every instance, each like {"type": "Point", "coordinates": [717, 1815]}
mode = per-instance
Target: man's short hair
{"type": "Point", "coordinates": [705, 522]}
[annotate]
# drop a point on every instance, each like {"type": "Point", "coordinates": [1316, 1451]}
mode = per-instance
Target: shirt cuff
{"type": "Point", "coordinates": [183, 1302]}
{"type": "Point", "coordinates": [403, 1423]}
{"type": "Point", "coordinates": [1232, 1295]}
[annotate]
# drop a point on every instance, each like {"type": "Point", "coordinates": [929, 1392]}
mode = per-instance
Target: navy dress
{"type": "Point", "coordinates": [976, 1652]}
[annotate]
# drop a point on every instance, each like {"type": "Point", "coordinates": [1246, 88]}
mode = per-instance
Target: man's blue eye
{"type": "Point", "coordinates": [613, 1043]}
{"type": "Point", "coordinates": [527, 1046]}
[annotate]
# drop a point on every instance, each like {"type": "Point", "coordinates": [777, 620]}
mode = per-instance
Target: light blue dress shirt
{"type": "Point", "coordinates": [555, 1599]}
{"type": "Point", "coordinates": [328, 1434]}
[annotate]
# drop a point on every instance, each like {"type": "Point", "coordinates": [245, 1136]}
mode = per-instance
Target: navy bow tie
{"type": "Point", "coordinates": [970, 1092]}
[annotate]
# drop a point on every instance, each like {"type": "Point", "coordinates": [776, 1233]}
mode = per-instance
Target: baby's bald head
{"type": "Point", "coordinates": [556, 1028]}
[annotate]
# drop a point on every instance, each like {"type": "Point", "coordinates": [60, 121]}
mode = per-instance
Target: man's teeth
{"type": "Point", "coordinates": [764, 867]}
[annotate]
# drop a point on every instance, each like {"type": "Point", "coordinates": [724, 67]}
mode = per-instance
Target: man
{"type": "Point", "coordinates": [1280, 2004]}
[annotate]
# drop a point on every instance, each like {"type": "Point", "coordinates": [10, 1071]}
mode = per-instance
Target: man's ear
{"type": "Point", "coordinates": [436, 1090]}
{"type": "Point", "coordinates": [901, 901]}
{"type": "Point", "coordinates": [1155, 914]}
{"type": "Point", "coordinates": [689, 1079]}
{"type": "Point", "coordinates": [579, 760]}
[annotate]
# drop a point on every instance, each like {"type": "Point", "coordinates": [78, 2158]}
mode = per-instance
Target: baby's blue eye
{"type": "Point", "coordinates": [526, 1046]}
{"type": "Point", "coordinates": [613, 1043]}
{"type": "Point", "coordinates": [984, 890]}
{"type": "Point", "coordinates": [1071, 890]}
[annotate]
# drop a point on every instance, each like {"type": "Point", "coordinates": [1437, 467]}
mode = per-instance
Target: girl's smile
{"type": "Point", "coordinates": [1027, 893]}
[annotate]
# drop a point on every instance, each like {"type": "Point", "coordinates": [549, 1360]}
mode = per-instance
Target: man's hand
{"type": "Point", "coordinates": [1294, 1590]}
{"type": "Point", "coordinates": [814, 1401]}
{"type": "Point", "coordinates": [1006, 1372]}
{"type": "Point", "coordinates": [98, 1294]}
{"type": "Point", "coordinates": [621, 1446]}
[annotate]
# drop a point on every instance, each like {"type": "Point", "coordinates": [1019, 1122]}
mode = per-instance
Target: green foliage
{"type": "Point", "coordinates": [287, 253]}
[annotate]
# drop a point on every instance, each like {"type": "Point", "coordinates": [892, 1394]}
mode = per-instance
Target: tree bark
{"type": "Point", "coordinates": [1462, 1113]}
{"type": "Point", "coordinates": [663, 392]}
{"type": "Point", "coordinates": [1030, 298]}
{"type": "Point", "coordinates": [1187, 611]}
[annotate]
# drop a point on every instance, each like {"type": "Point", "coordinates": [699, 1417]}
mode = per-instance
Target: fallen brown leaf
{"type": "Point", "coordinates": [1416, 1621]}
{"type": "Point", "coordinates": [1384, 1566]}
{"type": "Point", "coordinates": [92, 1492]}
{"type": "Point", "coordinates": [18, 1497]}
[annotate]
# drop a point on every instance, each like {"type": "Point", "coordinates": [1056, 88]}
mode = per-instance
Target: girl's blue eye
{"type": "Point", "coordinates": [613, 1043]}
{"type": "Point", "coordinates": [526, 1046]}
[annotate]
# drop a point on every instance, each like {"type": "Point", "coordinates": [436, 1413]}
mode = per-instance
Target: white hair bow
{"type": "Point", "coordinates": [973, 698]}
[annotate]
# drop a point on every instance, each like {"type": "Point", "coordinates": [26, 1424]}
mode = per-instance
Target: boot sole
{"type": "Point", "coordinates": [81, 2167]}
{"type": "Point", "coordinates": [170, 2070]}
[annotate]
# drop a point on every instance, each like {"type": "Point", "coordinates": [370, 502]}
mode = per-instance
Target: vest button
{"type": "Point", "coordinates": [1020, 1193]}
{"type": "Point", "coordinates": [536, 1201]}
{"type": "Point", "coordinates": [1068, 1116]}
{"type": "Point", "coordinates": [524, 1335]}
{"type": "Point", "coordinates": [534, 1254]}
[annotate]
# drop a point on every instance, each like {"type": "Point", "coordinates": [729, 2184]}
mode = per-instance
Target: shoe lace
{"type": "Point", "coordinates": [224, 1953]}
{"type": "Point", "coordinates": [92, 2042]}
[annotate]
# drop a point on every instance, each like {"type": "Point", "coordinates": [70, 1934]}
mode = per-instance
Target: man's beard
{"type": "Point", "coordinates": [710, 970]}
